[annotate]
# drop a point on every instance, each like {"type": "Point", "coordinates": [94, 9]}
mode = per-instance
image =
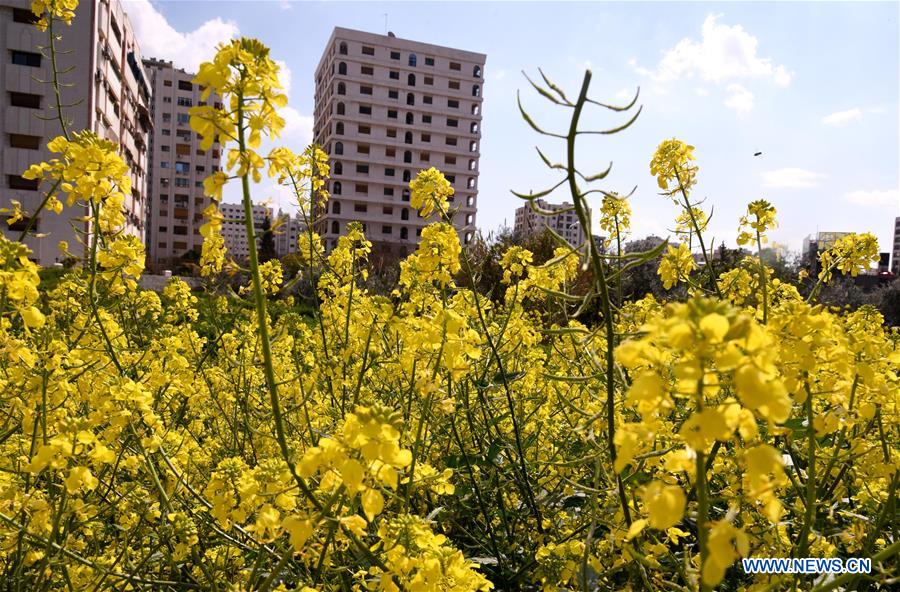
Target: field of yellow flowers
{"type": "Point", "coordinates": [434, 439]}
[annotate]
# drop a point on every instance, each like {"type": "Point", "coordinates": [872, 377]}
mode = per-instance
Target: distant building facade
{"type": "Point", "coordinates": [178, 166]}
{"type": "Point", "coordinates": [234, 229]}
{"type": "Point", "coordinates": [287, 230]}
{"type": "Point", "coordinates": [387, 108]}
{"type": "Point", "coordinates": [895, 258]}
{"type": "Point", "coordinates": [564, 223]}
{"type": "Point", "coordinates": [109, 93]}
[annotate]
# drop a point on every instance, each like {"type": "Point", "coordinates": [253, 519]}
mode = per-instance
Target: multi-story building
{"type": "Point", "coordinates": [895, 258]}
{"type": "Point", "coordinates": [385, 109]}
{"type": "Point", "coordinates": [104, 90]}
{"type": "Point", "coordinates": [287, 230]}
{"type": "Point", "coordinates": [565, 223]}
{"type": "Point", "coordinates": [178, 165]}
{"type": "Point", "coordinates": [234, 229]}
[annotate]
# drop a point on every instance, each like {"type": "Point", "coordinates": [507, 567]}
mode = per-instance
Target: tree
{"type": "Point", "coordinates": [267, 242]}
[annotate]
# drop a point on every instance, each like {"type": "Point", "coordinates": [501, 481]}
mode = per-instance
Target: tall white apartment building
{"type": "Point", "coordinates": [107, 91]}
{"type": "Point", "coordinates": [234, 229]}
{"type": "Point", "coordinates": [287, 230]}
{"type": "Point", "coordinates": [175, 199]}
{"type": "Point", "coordinates": [895, 256]}
{"type": "Point", "coordinates": [565, 223]}
{"type": "Point", "coordinates": [387, 108]}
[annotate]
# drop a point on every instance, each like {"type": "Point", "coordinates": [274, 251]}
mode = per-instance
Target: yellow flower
{"type": "Point", "coordinates": [430, 192]}
{"type": "Point", "coordinates": [672, 162]}
{"type": "Point", "coordinates": [664, 503]}
{"type": "Point", "coordinates": [676, 265]}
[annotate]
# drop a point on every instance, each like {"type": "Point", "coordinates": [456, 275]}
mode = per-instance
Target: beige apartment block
{"type": "Point", "coordinates": [564, 223]}
{"type": "Point", "coordinates": [178, 166]}
{"type": "Point", "coordinates": [387, 108]}
{"type": "Point", "coordinates": [234, 229]}
{"type": "Point", "coordinates": [287, 230]}
{"type": "Point", "coordinates": [106, 91]}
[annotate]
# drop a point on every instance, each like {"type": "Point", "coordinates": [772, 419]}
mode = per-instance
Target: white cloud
{"type": "Point", "coordinates": [739, 98]}
{"type": "Point", "coordinates": [285, 5]}
{"type": "Point", "coordinates": [791, 178]}
{"type": "Point", "coordinates": [701, 92]}
{"type": "Point", "coordinates": [158, 39]}
{"type": "Point", "coordinates": [297, 127]}
{"type": "Point", "coordinates": [842, 118]}
{"type": "Point", "coordinates": [723, 53]}
{"type": "Point", "coordinates": [284, 75]}
{"type": "Point", "coordinates": [874, 197]}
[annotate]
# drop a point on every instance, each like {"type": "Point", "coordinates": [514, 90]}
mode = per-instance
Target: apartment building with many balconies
{"type": "Point", "coordinates": [234, 229]}
{"type": "Point", "coordinates": [178, 166]}
{"type": "Point", "coordinates": [104, 90]}
{"type": "Point", "coordinates": [387, 108]}
{"type": "Point", "coordinates": [562, 221]}
{"type": "Point", "coordinates": [895, 256]}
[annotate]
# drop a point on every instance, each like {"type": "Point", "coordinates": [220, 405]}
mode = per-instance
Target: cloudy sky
{"type": "Point", "coordinates": [813, 86]}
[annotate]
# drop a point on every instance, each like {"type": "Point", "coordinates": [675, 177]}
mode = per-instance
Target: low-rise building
{"type": "Point", "coordinates": [563, 221]}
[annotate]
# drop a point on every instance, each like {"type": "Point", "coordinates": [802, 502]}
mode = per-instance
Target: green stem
{"type": "Point", "coordinates": [809, 514]}
{"type": "Point", "coordinates": [763, 281]}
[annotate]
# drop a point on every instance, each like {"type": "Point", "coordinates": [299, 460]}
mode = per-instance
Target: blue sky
{"type": "Point", "coordinates": [813, 86]}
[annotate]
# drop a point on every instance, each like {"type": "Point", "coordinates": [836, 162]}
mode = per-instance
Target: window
{"type": "Point", "coordinates": [184, 119]}
{"type": "Point", "coordinates": [365, 90]}
{"type": "Point", "coordinates": [428, 100]}
{"type": "Point", "coordinates": [339, 148]}
{"type": "Point", "coordinates": [476, 90]}
{"type": "Point", "coordinates": [470, 201]}
{"type": "Point", "coordinates": [452, 122]}
{"type": "Point", "coordinates": [179, 182]}
{"type": "Point", "coordinates": [167, 99]}
{"type": "Point", "coordinates": [342, 69]}
{"type": "Point", "coordinates": [391, 132]}
{"type": "Point", "coordinates": [404, 214]}
{"type": "Point", "coordinates": [473, 127]}
{"type": "Point", "coordinates": [165, 148]}
{"type": "Point", "coordinates": [392, 114]}
{"type": "Point", "coordinates": [337, 189]}
{"type": "Point", "coordinates": [408, 138]}
{"type": "Point", "coordinates": [429, 81]}
{"type": "Point", "coordinates": [365, 109]}
{"type": "Point", "coordinates": [455, 66]}
{"type": "Point", "coordinates": [341, 88]}
{"type": "Point", "coordinates": [389, 172]}
{"type": "Point", "coordinates": [476, 109]}
{"type": "Point", "coordinates": [449, 159]}
{"type": "Point", "coordinates": [473, 146]}
{"type": "Point", "coordinates": [429, 61]}
{"type": "Point", "coordinates": [367, 70]}
{"type": "Point", "coordinates": [412, 60]}
{"type": "Point", "coordinates": [362, 148]}
{"type": "Point", "coordinates": [451, 178]}
{"type": "Point", "coordinates": [386, 229]}
{"type": "Point", "coordinates": [339, 128]}
{"type": "Point", "coordinates": [364, 129]}
{"type": "Point", "coordinates": [406, 176]}
{"type": "Point", "coordinates": [395, 55]}
{"type": "Point", "coordinates": [343, 48]}
{"type": "Point", "coordinates": [472, 164]}
{"type": "Point", "coordinates": [23, 141]}
{"type": "Point", "coordinates": [20, 182]}
{"type": "Point", "coordinates": [390, 152]}
{"type": "Point", "coordinates": [426, 137]}
{"type": "Point", "coordinates": [394, 75]}
{"type": "Point", "coordinates": [405, 196]}
{"type": "Point", "coordinates": [393, 94]}
{"type": "Point", "coordinates": [453, 103]}
{"type": "Point", "coordinates": [425, 157]}
{"type": "Point", "coordinates": [185, 101]}
{"type": "Point", "coordinates": [335, 207]}
{"type": "Point", "coordinates": [338, 168]}
{"type": "Point", "coordinates": [407, 157]}
{"type": "Point", "coordinates": [410, 99]}
{"type": "Point", "coordinates": [25, 100]}
{"type": "Point", "coordinates": [450, 141]}
{"type": "Point", "coordinates": [470, 183]}
{"type": "Point", "coordinates": [360, 207]}
{"type": "Point", "coordinates": [366, 50]}
{"type": "Point", "coordinates": [362, 169]}
{"type": "Point", "coordinates": [410, 79]}
{"type": "Point", "coordinates": [409, 119]}
{"type": "Point", "coordinates": [426, 119]}
{"type": "Point", "coordinates": [23, 15]}
{"type": "Point", "coordinates": [335, 227]}
{"type": "Point", "coordinates": [476, 72]}
{"type": "Point", "coordinates": [167, 83]}
{"type": "Point", "coordinates": [389, 192]}
{"type": "Point", "coordinates": [167, 132]}
{"type": "Point", "coordinates": [341, 109]}
{"type": "Point", "coordinates": [26, 58]}
{"type": "Point", "coordinates": [453, 85]}
{"type": "Point", "coordinates": [183, 168]}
